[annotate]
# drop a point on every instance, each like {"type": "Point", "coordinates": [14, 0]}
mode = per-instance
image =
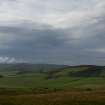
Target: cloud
{"type": "Point", "coordinates": [65, 32]}
{"type": "Point", "coordinates": [9, 60]}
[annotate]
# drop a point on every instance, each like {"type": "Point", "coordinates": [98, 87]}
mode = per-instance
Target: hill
{"type": "Point", "coordinates": [80, 71]}
{"type": "Point", "coordinates": [30, 76]}
{"type": "Point", "coordinates": [27, 68]}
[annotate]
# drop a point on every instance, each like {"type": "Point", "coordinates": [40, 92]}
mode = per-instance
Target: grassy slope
{"type": "Point", "coordinates": [61, 79]}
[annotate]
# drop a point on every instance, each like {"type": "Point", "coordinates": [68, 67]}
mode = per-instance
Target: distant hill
{"type": "Point", "coordinates": [30, 67]}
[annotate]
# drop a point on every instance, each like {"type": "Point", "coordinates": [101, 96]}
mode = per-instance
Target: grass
{"type": "Point", "coordinates": [37, 89]}
{"type": "Point", "coordinates": [66, 71]}
{"type": "Point", "coordinates": [56, 98]}
{"type": "Point", "coordinates": [39, 81]}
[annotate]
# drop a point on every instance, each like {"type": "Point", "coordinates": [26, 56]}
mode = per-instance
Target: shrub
{"type": "Point", "coordinates": [1, 76]}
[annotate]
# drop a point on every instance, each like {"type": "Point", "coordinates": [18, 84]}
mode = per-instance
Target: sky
{"type": "Point", "coordinates": [52, 31]}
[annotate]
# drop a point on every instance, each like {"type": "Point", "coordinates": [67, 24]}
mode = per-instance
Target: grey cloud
{"type": "Point", "coordinates": [43, 42]}
{"type": "Point", "coordinates": [50, 44]}
{"type": "Point", "coordinates": [31, 41]}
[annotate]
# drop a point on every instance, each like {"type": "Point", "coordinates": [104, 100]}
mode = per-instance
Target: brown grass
{"type": "Point", "coordinates": [58, 98]}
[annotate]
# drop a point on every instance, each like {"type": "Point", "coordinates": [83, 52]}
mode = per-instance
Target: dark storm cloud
{"type": "Point", "coordinates": [31, 42]}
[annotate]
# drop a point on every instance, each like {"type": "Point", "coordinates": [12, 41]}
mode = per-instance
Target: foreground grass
{"type": "Point", "coordinates": [56, 98]}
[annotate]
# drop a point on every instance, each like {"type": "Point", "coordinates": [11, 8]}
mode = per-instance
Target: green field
{"type": "Point", "coordinates": [58, 85]}
{"type": "Point", "coordinates": [70, 77]}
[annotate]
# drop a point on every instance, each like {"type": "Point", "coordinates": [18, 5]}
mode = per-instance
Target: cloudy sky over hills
{"type": "Point", "coordinates": [52, 31]}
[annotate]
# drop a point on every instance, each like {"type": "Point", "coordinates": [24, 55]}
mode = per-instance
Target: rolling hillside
{"type": "Point", "coordinates": [30, 76]}
{"type": "Point", "coordinates": [80, 71]}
